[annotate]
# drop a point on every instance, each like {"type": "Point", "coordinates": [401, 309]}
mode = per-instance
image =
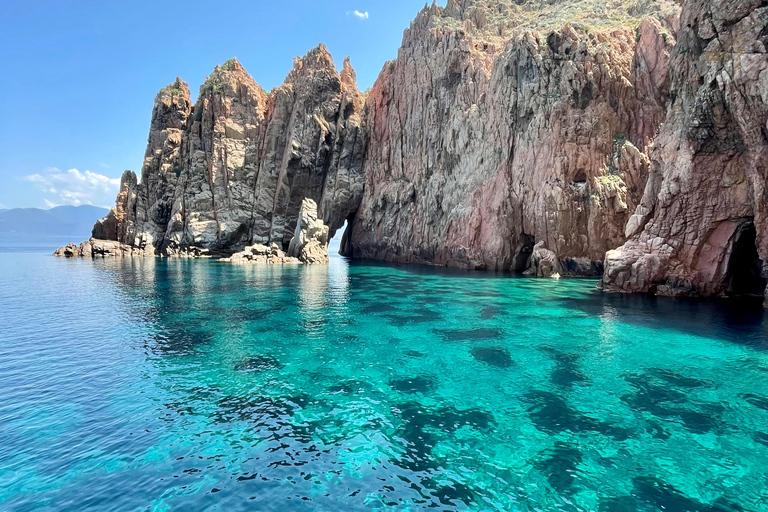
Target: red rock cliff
{"type": "Point", "coordinates": [493, 131]}
{"type": "Point", "coordinates": [702, 225]}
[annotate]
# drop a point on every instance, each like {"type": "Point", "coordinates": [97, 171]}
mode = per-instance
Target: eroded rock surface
{"type": "Point", "coordinates": [232, 170]}
{"type": "Point", "coordinates": [543, 263]}
{"type": "Point", "coordinates": [486, 138]}
{"type": "Point", "coordinates": [701, 226]}
{"type": "Point", "coordinates": [309, 243]}
{"type": "Point", "coordinates": [95, 248]}
{"type": "Point", "coordinates": [261, 254]}
{"type": "Point", "coordinates": [310, 240]}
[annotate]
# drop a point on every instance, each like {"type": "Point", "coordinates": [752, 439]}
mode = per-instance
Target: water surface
{"type": "Point", "coordinates": [196, 385]}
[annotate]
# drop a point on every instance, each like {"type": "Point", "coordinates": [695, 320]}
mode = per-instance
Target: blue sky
{"type": "Point", "coordinates": [79, 77]}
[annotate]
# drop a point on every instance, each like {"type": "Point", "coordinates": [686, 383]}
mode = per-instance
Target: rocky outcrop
{"type": "Point", "coordinates": [310, 240]}
{"type": "Point", "coordinates": [145, 211]}
{"type": "Point", "coordinates": [262, 255]}
{"type": "Point", "coordinates": [701, 227]}
{"type": "Point", "coordinates": [505, 135]}
{"type": "Point", "coordinates": [309, 243]}
{"type": "Point", "coordinates": [543, 262]}
{"type": "Point", "coordinates": [120, 220]}
{"type": "Point", "coordinates": [486, 138]}
{"type": "Point", "coordinates": [233, 169]}
{"type": "Point", "coordinates": [95, 248]}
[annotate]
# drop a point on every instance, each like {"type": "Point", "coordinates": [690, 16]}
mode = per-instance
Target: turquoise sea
{"type": "Point", "coordinates": [154, 385]}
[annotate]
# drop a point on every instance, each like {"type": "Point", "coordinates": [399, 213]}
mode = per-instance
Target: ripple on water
{"type": "Point", "coordinates": [258, 363]}
{"type": "Point", "coordinates": [191, 385]}
{"type": "Point", "coordinates": [480, 333]}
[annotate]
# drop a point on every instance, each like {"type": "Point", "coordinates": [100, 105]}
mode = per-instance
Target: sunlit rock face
{"type": "Point", "coordinates": [310, 240]}
{"type": "Point", "coordinates": [501, 126]}
{"type": "Point", "coordinates": [233, 169]}
{"type": "Point", "coordinates": [701, 226]}
{"type": "Point", "coordinates": [493, 131]}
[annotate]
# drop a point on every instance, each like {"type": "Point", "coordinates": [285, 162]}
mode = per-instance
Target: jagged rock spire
{"type": "Point", "coordinates": [233, 170]}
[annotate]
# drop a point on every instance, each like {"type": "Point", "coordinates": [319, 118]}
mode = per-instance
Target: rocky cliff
{"type": "Point", "coordinates": [701, 226]}
{"type": "Point", "coordinates": [233, 169]}
{"type": "Point", "coordinates": [505, 135]}
{"type": "Point", "coordinates": [501, 125]}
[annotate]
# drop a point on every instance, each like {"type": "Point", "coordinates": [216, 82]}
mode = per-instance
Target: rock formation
{"type": "Point", "coordinates": [94, 248]}
{"type": "Point", "coordinates": [543, 262]}
{"type": "Point", "coordinates": [310, 240]}
{"type": "Point", "coordinates": [233, 169]}
{"type": "Point", "coordinates": [491, 133]}
{"type": "Point", "coordinates": [701, 226]}
{"type": "Point", "coordinates": [309, 243]}
{"type": "Point", "coordinates": [505, 135]}
{"type": "Point", "coordinates": [261, 254]}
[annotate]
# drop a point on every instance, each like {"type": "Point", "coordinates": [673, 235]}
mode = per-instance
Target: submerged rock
{"type": "Point", "coordinates": [258, 363]}
{"type": "Point", "coordinates": [413, 384]}
{"type": "Point", "coordinates": [493, 356]}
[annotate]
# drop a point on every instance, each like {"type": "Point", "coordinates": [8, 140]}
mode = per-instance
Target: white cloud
{"type": "Point", "coordinates": [2, 207]}
{"type": "Point", "coordinates": [358, 14]}
{"type": "Point", "coordinates": [74, 187]}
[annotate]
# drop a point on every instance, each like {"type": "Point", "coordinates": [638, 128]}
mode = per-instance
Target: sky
{"type": "Point", "coordinates": [79, 78]}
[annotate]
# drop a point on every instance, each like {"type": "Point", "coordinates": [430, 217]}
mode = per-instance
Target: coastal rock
{"type": "Point", "coordinates": [544, 263]}
{"type": "Point", "coordinates": [233, 169]}
{"type": "Point", "coordinates": [505, 135]}
{"type": "Point", "coordinates": [148, 212]}
{"type": "Point", "coordinates": [118, 223]}
{"type": "Point", "coordinates": [309, 244]}
{"type": "Point", "coordinates": [701, 227]}
{"type": "Point", "coordinates": [310, 240]}
{"type": "Point", "coordinates": [261, 254]}
{"type": "Point", "coordinates": [501, 126]}
{"type": "Point", "coordinates": [67, 251]}
{"type": "Point", "coordinates": [95, 248]}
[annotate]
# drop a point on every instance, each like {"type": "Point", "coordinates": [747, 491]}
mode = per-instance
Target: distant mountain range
{"type": "Point", "coordinates": [74, 221]}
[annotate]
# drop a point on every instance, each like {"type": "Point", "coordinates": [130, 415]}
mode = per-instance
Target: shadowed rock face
{"type": "Point", "coordinates": [233, 169]}
{"type": "Point", "coordinates": [484, 141]}
{"type": "Point", "coordinates": [701, 226]}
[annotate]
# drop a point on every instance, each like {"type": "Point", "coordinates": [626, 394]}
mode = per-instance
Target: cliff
{"type": "Point", "coordinates": [520, 135]}
{"type": "Point", "coordinates": [501, 125]}
{"type": "Point", "coordinates": [701, 227]}
{"type": "Point", "coordinates": [233, 169]}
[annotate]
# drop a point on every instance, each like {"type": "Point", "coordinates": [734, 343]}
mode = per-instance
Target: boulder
{"type": "Point", "coordinates": [310, 239]}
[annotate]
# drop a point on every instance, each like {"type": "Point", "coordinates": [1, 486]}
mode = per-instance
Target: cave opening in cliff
{"type": "Point", "coordinates": [745, 276]}
{"type": "Point", "coordinates": [523, 256]}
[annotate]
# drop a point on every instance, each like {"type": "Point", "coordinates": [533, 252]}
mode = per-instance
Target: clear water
{"type": "Point", "coordinates": [196, 385]}
{"type": "Point", "coordinates": [24, 243]}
